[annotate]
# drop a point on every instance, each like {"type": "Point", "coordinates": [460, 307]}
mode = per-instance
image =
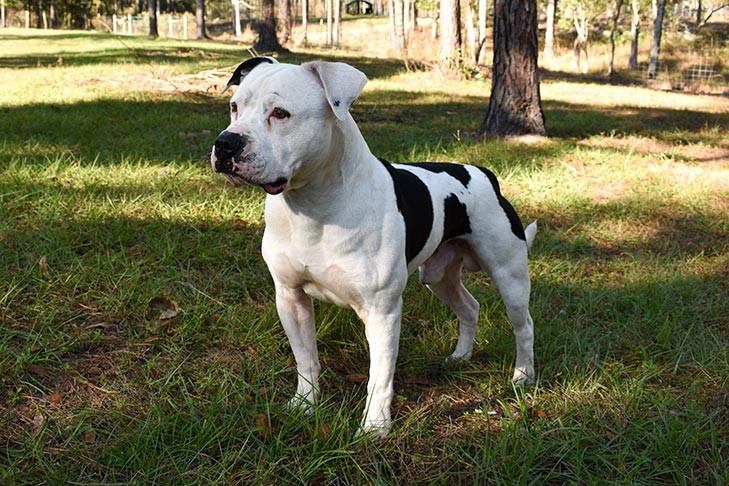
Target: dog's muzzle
{"type": "Point", "coordinates": [228, 146]}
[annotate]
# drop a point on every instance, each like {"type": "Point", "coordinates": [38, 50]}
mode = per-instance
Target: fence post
{"type": "Point", "coordinates": [27, 19]}
{"type": "Point", "coordinates": [2, 13]}
{"type": "Point", "coordinates": [170, 30]}
{"type": "Point", "coordinates": [184, 26]}
{"type": "Point", "coordinates": [129, 24]}
{"type": "Point", "coordinates": [113, 23]}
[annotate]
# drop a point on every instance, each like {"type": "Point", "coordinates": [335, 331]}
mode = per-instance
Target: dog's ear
{"type": "Point", "coordinates": [246, 67]}
{"type": "Point", "coordinates": [342, 84]}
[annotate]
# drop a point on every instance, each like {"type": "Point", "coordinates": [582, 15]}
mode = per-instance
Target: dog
{"type": "Point", "coordinates": [348, 228]}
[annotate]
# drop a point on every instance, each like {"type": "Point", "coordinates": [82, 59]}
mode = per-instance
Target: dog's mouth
{"type": "Point", "coordinates": [276, 187]}
{"type": "Point", "coordinates": [234, 171]}
{"type": "Point", "coordinates": [273, 188]}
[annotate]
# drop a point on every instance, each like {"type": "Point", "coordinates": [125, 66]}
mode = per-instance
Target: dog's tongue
{"type": "Point", "coordinates": [276, 187]}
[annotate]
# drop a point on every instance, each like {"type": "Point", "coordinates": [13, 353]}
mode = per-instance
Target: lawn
{"type": "Point", "coordinates": [138, 337]}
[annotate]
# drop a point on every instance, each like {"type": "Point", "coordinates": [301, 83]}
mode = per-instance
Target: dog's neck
{"type": "Point", "coordinates": [333, 180]}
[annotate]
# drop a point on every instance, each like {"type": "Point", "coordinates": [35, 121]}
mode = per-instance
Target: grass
{"type": "Point", "coordinates": [107, 203]}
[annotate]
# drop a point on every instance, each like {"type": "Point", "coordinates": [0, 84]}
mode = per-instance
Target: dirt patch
{"type": "Point", "coordinates": [205, 82]}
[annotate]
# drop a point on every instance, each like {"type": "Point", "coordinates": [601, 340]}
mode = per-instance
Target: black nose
{"type": "Point", "coordinates": [227, 146]}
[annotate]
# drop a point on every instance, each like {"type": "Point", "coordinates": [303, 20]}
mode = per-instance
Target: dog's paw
{"type": "Point", "coordinates": [458, 357]}
{"type": "Point", "coordinates": [374, 430]}
{"type": "Point", "coordinates": [300, 403]}
{"type": "Point", "coordinates": [523, 376]}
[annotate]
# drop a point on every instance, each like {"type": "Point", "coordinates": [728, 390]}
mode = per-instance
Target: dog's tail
{"type": "Point", "coordinates": [530, 232]}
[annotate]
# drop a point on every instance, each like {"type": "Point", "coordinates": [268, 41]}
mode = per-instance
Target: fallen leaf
{"type": "Point", "coordinates": [37, 370]}
{"type": "Point", "coordinates": [43, 264]}
{"type": "Point", "coordinates": [356, 377]}
{"type": "Point", "coordinates": [90, 436]}
{"type": "Point", "coordinates": [263, 424]}
{"type": "Point", "coordinates": [324, 431]}
{"type": "Point", "coordinates": [168, 308]}
{"type": "Point", "coordinates": [56, 397]}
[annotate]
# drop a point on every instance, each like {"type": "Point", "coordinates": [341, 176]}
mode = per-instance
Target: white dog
{"type": "Point", "coordinates": [348, 228]}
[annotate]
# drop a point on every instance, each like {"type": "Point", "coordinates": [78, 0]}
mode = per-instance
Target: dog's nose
{"type": "Point", "coordinates": [227, 146]}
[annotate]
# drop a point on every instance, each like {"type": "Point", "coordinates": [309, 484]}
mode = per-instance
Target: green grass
{"type": "Point", "coordinates": [107, 201]}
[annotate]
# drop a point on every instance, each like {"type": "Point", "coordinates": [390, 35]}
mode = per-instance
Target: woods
{"type": "Point", "coordinates": [457, 35]}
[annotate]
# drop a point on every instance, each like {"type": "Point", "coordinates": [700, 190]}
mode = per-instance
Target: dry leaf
{"type": "Point", "coordinates": [168, 310]}
{"type": "Point", "coordinates": [324, 431]}
{"type": "Point", "coordinates": [56, 397]}
{"type": "Point", "coordinates": [37, 370]}
{"type": "Point", "coordinates": [263, 424]}
{"type": "Point", "coordinates": [43, 264]}
{"type": "Point", "coordinates": [356, 377]}
{"type": "Point", "coordinates": [90, 436]}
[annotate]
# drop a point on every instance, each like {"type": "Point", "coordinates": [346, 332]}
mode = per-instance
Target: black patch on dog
{"type": "Point", "coordinates": [457, 171]}
{"type": "Point", "coordinates": [336, 102]}
{"type": "Point", "coordinates": [415, 205]}
{"type": "Point", "coordinates": [516, 227]}
{"type": "Point", "coordinates": [456, 218]}
{"type": "Point", "coordinates": [244, 68]}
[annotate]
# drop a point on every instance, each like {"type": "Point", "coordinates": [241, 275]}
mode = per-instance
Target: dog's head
{"type": "Point", "coordinates": [283, 121]}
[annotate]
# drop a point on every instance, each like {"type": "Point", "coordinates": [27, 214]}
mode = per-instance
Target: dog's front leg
{"type": "Point", "coordinates": [383, 335]}
{"type": "Point", "coordinates": [296, 311]}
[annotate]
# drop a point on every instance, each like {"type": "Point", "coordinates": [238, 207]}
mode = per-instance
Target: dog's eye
{"type": "Point", "coordinates": [234, 107]}
{"type": "Point", "coordinates": [280, 113]}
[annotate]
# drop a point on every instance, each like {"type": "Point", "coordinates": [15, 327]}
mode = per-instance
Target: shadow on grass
{"type": "Point", "coordinates": [577, 120]}
{"type": "Point", "coordinates": [399, 126]}
{"type": "Point", "coordinates": [143, 50]}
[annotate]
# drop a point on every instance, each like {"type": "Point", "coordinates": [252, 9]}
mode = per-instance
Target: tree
{"type": "Point", "coordinates": [515, 106]}
{"type": "Point", "coordinates": [582, 28]}
{"type": "Point", "coordinates": [549, 31]}
{"type": "Point", "coordinates": [304, 18]}
{"type": "Point", "coordinates": [450, 34]}
{"type": "Point", "coordinates": [202, 32]}
{"type": "Point", "coordinates": [397, 25]}
{"type": "Point", "coordinates": [266, 26]}
{"type": "Point", "coordinates": [283, 21]}
{"type": "Point", "coordinates": [616, 7]}
{"type": "Point", "coordinates": [634, 34]}
{"type": "Point", "coordinates": [152, 11]}
{"type": "Point", "coordinates": [656, 45]}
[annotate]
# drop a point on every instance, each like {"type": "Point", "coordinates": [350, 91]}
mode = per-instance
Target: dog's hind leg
{"type": "Point", "coordinates": [442, 275]}
{"type": "Point", "coordinates": [511, 278]}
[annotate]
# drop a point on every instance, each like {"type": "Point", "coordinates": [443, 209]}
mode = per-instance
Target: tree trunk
{"type": "Point", "coordinates": [53, 8]}
{"type": "Point", "coordinates": [330, 33]}
{"type": "Point", "coordinates": [202, 32]}
{"type": "Point", "coordinates": [698, 14]}
{"type": "Point", "coordinates": [337, 28]}
{"type": "Point", "coordinates": [397, 27]}
{"type": "Point", "coordinates": [450, 34]}
{"type": "Point", "coordinates": [657, 32]}
{"type": "Point", "coordinates": [582, 28]}
{"type": "Point", "coordinates": [266, 26]}
{"type": "Point", "coordinates": [283, 21]}
{"type": "Point", "coordinates": [38, 16]}
{"type": "Point", "coordinates": [304, 19]}
{"type": "Point", "coordinates": [634, 34]}
{"type": "Point", "coordinates": [471, 32]}
{"type": "Point", "coordinates": [515, 106]}
{"type": "Point", "coordinates": [236, 18]}
{"type": "Point", "coordinates": [617, 6]}
{"type": "Point", "coordinates": [549, 32]}
{"type": "Point", "coordinates": [152, 11]}
{"type": "Point", "coordinates": [481, 28]}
